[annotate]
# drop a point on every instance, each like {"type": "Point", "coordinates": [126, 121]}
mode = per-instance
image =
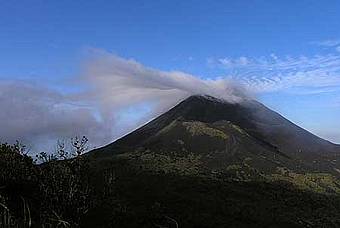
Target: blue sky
{"type": "Point", "coordinates": [286, 52]}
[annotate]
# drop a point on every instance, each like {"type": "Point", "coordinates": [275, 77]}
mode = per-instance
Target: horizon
{"type": "Point", "coordinates": [103, 68]}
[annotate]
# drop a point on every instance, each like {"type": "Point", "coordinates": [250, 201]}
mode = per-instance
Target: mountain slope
{"type": "Point", "coordinates": [210, 163]}
{"type": "Point", "coordinates": [223, 133]}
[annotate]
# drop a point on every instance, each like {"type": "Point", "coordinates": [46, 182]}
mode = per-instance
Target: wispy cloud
{"type": "Point", "coordinates": [330, 44]}
{"type": "Point", "coordinates": [316, 73]}
{"type": "Point", "coordinates": [327, 43]}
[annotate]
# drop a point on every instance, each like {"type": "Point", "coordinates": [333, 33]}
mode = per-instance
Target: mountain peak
{"type": "Point", "coordinates": [217, 99]}
{"type": "Point", "coordinates": [210, 122]}
{"type": "Point", "coordinates": [206, 97]}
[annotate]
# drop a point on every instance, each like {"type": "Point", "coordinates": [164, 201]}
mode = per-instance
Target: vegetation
{"type": "Point", "coordinates": [54, 193]}
{"type": "Point", "coordinates": [149, 189]}
{"type": "Point", "coordinates": [200, 128]}
{"type": "Point", "coordinates": [316, 182]}
{"type": "Point", "coordinates": [187, 165]}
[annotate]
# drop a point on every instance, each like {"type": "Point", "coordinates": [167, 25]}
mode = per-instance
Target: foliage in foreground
{"type": "Point", "coordinates": [53, 193]}
{"type": "Point", "coordinates": [156, 190]}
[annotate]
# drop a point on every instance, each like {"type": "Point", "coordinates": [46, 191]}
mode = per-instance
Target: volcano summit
{"type": "Point", "coordinates": [223, 133]}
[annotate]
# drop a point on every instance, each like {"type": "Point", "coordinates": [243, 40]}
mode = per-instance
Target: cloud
{"type": "Point", "coordinates": [260, 75]}
{"type": "Point", "coordinates": [34, 113]}
{"type": "Point", "coordinates": [327, 43]}
{"type": "Point", "coordinates": [228, 62]}
{"type": "Point", "coordinates": [121, 77]}
{"type": "Point", "coordinates": [333, 44]}
{"type": "Point", "coordinates": [110, 88]}
{"type": "Point", "coordinates": [116, 84]}
{"type": "Point", "coordinates": [116, 95]}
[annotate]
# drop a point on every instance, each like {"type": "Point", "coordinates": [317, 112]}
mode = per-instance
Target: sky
{"type": "Point", "coordinates": [103, 68]}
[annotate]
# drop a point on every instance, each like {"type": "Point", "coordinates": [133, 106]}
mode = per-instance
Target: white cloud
{"type": "Point", "coordinates": [327, 43]}
{"type": "Point", "coordinates": [273, 56]}
{"type": "Point", "coordinates": [35, 113]}
{"type": "Point", "coordinates": [275, 73]}
{"type": "Point", "coordinates": [331, 44]}
{"type": "Point", "coordinates": [243, 61]}
{"type": "Point", "coordinates": [117, 83]}
{"type": "Point", "coordinates": [230, 63]}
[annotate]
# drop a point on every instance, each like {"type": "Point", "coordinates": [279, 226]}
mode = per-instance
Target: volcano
{"type": "Point", "coordinates": [224, 133]}
{"type": "Point", "coordinates": [210, 163]}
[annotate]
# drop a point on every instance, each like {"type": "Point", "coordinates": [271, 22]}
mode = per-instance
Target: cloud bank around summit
{"type": "Point", "coordinates": [110, 88]}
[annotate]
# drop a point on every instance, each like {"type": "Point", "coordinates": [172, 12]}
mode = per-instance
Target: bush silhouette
{"type": "Point", "coordinates": [55, 192]}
